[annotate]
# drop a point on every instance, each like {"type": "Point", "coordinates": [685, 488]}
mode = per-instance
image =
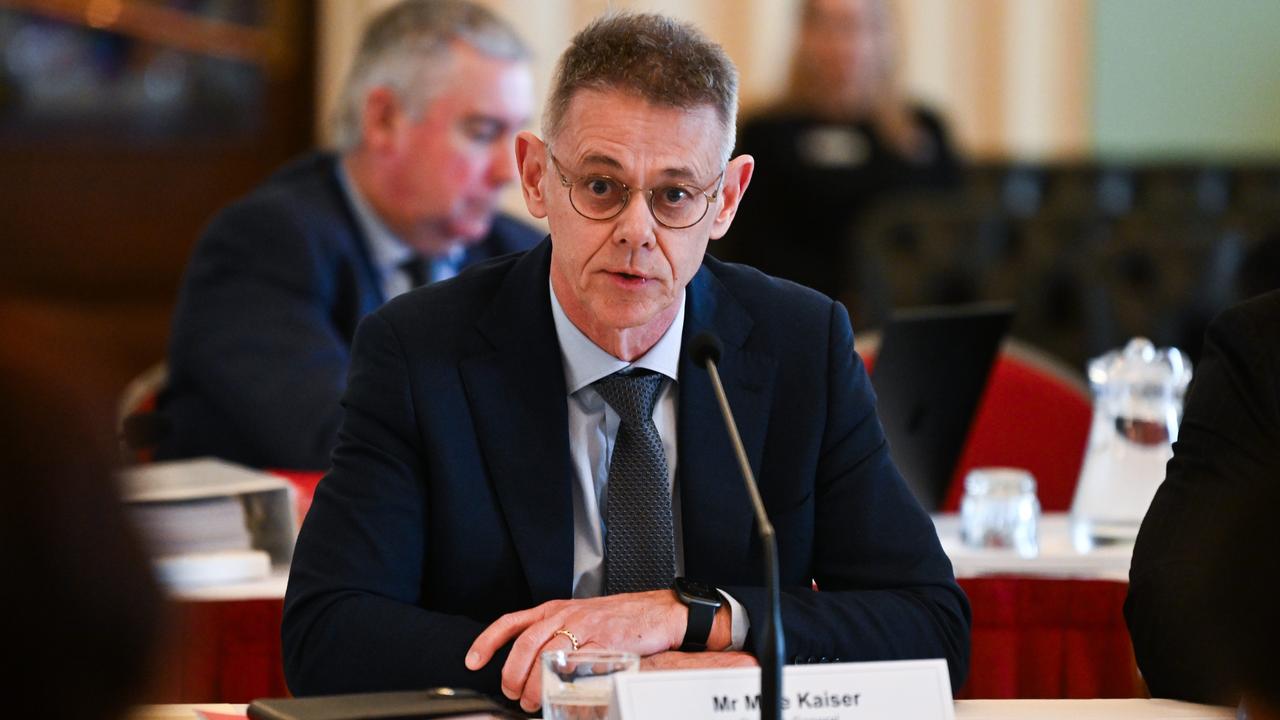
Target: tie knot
{"type": "Point", "coordinates": [631, 396]}
{"type": "Point", "coordinates": [418, 269]}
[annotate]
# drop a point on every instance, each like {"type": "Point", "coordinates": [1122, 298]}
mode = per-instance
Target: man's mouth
{"type": "Point", "coordinates": [628, 277]}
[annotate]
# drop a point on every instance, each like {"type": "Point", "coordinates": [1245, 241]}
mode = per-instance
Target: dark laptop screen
{"type": "Point", "coordinates": [929, 375]}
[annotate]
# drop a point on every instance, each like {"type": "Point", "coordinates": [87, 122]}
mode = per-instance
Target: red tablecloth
{"type": "Point", "coordinates": [1049, 638]}
{"type": "Point", "coordinates": [222, 651]}
{"type": "Point", "coordinates": [1032, 638]}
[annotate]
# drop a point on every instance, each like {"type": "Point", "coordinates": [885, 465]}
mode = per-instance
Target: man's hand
{"type": "Point", "coordinates": [675, 660]}
{"type": "Point", "coordinates": [644, 623]}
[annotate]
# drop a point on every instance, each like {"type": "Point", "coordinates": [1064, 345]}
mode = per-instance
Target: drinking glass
{"type": "Point", "coordinates": [1000, 510]}
{"type": "Point", "coordinates": [577, 684]}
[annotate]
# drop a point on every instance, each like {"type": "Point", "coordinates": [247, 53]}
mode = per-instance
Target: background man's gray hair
{"type": "Point", "coordinates": [406, 48]}
{"type": "Point", "coordinates": [664, 61]}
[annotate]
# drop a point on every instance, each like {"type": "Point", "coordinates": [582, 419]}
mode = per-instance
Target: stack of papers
{"type": "Point", "coordinates": [178, 527]}
{"type": "Point", "coordinates": [211, 522]}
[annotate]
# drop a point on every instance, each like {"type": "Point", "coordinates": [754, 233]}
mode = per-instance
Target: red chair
{"type": "Point", "coordinates": [138, 425]}
{"type": "Point", "coordinates": [1034, 414]}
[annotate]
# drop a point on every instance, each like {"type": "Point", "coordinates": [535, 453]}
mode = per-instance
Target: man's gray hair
{"type": "Point", "coordinates": [664, 61]}
{"type": "Point", "coordinates": [406, 48]}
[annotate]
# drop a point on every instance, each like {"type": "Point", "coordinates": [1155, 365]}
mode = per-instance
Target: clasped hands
{"type": "Point", "coordinates": [650, 624]}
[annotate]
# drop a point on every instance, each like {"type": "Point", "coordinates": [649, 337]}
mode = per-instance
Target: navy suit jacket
{"type": "Point", "coordinates": [449, 501]}
{"type": "Point", "coordinates": [264, 322]}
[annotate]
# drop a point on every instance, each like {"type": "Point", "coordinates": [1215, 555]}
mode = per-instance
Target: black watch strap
{"type": "Point", "coordinates": [703, 601]}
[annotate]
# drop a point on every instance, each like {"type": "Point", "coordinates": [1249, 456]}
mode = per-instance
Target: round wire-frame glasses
{"type": "Point", "coordinates": [600, 197]}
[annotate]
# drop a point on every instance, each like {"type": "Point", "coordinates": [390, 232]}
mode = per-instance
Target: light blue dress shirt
{"type": "Point", "coordinates": [388, 252]}
{"type": "Point", "coordinates": [593, 428]}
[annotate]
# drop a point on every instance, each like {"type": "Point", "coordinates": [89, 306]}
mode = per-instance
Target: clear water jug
{"type": "Point", "coordinates": [1138, 394]}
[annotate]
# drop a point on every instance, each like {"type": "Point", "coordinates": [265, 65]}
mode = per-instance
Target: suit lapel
{"type": "Point", "coordinates": [515, 386]}
{"type": "Point", "coordinates": [370, 282]}
{"type": "Point", "coordinates": [717, 521]}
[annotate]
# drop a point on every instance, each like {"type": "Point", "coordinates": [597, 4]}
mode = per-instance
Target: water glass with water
{"type": "Point", "coordinates": [1000, 510]}
{"type": "Point", "coordinates": [577, 684]}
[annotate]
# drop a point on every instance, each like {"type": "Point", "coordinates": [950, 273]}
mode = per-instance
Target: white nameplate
{"type": "Point", "coordinates": [918, 689]}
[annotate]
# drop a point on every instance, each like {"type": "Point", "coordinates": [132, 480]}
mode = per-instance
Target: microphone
{"type": "Point", "coordinates": [705, 349]}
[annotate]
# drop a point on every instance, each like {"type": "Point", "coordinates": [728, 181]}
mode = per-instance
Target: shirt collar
{"type": "Point", "coordinates": [585, 362]}
{"type": "Point", "coordinates": [386, 249]}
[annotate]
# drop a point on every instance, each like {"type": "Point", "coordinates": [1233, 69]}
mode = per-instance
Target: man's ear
{"type": "Point", "coordinates": [531, 160]}
{"type": "Point", "coordinates": [381, 119]}
{"type": "Point", "coordinates": [737, 176]}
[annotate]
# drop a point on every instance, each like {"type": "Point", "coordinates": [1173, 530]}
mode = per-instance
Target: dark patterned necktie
{"type": "Point", "coordinates": [639, 549]}
{"type": "Point", "coordinates": [418, 269]}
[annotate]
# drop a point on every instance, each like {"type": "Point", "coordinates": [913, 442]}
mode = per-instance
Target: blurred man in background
{"type": "Point", "coordinates": [424, 134]}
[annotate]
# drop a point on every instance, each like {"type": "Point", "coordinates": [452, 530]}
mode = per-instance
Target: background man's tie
{"type": "Point", "coordinates": [418, 269]}
{"type": "Point", "coordinates": [639, 550]}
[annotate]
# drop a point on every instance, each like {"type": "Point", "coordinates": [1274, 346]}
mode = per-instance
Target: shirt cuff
{"type": "Point", "coordinates": [739, 623]}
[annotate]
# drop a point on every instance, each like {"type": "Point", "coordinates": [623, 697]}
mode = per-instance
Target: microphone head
{"type": "Point", "coordinates": [705, 347]}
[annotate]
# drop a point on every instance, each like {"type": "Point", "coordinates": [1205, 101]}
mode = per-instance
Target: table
{"type": "Point", "coordinates": [965, 710]}
{"type": "Point", "coordinates": [224, 641]}
{"type": "Point", "coordinates": [1050, 626]}
{"type": "Point", "coordinates": [1132, 709]}
{"type": "Point", "coordinates": [1059, 556]}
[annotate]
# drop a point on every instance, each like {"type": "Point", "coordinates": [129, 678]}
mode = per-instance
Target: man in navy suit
{"type": "Point", "coordinates": [264, 323]}
{"type": "Point", "coordinates": [471, 517]}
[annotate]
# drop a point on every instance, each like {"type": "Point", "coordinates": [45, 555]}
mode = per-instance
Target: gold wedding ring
{"type": "Point", "coordinates": [572, 638]}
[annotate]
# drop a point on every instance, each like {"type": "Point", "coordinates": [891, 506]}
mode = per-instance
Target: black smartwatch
{"type": "Point", "coordinates": [702, 600]}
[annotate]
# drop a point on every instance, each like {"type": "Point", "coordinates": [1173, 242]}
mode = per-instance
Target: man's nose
{"type": "Point", "coordinates": [635, 225]}
{"type": "Point", "coordinates": [502, 163]}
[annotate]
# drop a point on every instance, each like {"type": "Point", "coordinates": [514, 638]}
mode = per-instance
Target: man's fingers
{"type": "Point", "coordinates": [675, 660]}
{"type": "Point", "coordinates": [522, 661]}
{"type": "Point", "coordinates": [498, 634]}
{"type": "Point", "coordinates": [531, 699]}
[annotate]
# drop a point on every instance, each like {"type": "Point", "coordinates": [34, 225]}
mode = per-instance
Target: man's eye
{"type": "Point", "coordinates": [599, 187]}
{"type": "Point", "coordinates": [483, 131]}
{"type": "Point", "coordinates": [674, 195]}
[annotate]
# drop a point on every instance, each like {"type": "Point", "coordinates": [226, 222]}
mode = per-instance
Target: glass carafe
{"type": "Point", "coordinates": [1138, 394]}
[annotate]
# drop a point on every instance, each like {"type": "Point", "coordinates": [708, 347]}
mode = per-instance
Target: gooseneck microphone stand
{"type": "Point", "coordinates": [705, 350]}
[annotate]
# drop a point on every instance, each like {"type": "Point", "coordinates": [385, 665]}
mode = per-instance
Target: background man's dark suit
{"type": "Point", "coordinates": [1226, 460]}
{"type": "Point", "coordinates": [263, 326]}
{"type": "Point", "coordinates": [449, 501]}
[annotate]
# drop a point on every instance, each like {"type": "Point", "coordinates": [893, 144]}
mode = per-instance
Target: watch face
{"type": "Point", "coordinates": [696, 590]}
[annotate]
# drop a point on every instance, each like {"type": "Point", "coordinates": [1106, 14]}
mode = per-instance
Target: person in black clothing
{"type": "Point", "coordinates": [842, 137]}
{"type": "Point", "coordinates": [1206, 566]}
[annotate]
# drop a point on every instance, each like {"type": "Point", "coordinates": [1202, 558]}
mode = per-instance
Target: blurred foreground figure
{"type": "Point", "coordinates": [1206, 567]}
{"type": "Point", "coordinates": [843, 136]}
{"type": "Point", "coordinates": [263, 327]}
{"type": "Point", "coordinates": [81, 613]}
{"type": "Point", "coordinates": [1244, 583]}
